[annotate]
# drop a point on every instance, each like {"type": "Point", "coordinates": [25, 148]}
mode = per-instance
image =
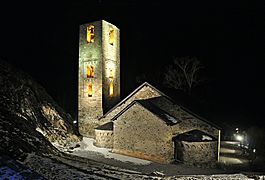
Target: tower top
{"type": "Point", "coordinates": [102, 21]}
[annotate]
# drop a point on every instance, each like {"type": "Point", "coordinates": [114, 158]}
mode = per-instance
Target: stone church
{"type": "Point", "coordinates": [147, 123]}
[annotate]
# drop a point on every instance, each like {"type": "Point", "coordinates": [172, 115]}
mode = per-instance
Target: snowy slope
{"type": "Point", "coordinates": [29, 117]}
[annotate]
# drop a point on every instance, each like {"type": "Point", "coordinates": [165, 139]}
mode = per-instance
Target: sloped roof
{"type": "Point", "coordinates": [107, 126]}
{"type": "Point", "coordinates": [162, 102]}
{"type": "Point", "coordinates": [170, 120]}
{"type": "Point", "coordinates": [132, 94]}
{"type": "Point", "coordinates": [195, 135]}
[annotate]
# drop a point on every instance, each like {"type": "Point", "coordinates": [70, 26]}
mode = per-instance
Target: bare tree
{"type": "Point", "coordinates": [183, 74]}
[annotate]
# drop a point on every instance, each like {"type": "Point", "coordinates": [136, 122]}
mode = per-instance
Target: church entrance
{"type": "Point", "coordinates": [177, 149]}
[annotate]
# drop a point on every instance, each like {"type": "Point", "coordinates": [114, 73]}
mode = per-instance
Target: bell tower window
{"type": "Point", "coordinates": [111, 89]}
{"type": "Point", "coordinates": [90, 71]}
{"type": "Point", "coordinates": [111, 37]}
{"type": "Point", "coordinates": [90, 35]}
{"type": "Point", "coordinates": [90, 89]}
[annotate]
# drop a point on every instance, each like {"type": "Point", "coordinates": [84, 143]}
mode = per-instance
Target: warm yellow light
{"type": "Point", "coordinates": [90, 34]}
{"type": "Point", "coordinates": [111, 36]}
{"type": "Point", "coordinates": [90, 71]}
{"type": "Point", "coordinates": [90, 89]}
{"type": "Point", "coordinates": [111, 89]}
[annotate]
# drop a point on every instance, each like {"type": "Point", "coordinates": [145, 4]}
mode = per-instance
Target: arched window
{"type": "Point", "coordinates": [90, 71]}
{"type": "Point", "coordinates": [90, 89]}
{"type": "Point", "coordinates": [90, 35]}
{"type": "Point", "coordinates": [111, 37]}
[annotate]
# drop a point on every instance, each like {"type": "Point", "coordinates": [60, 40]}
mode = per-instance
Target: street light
{"type": "Point", "coordinates": [239, 137]}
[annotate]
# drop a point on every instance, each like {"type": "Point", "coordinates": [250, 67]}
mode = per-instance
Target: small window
{"type": "Point", "coordinates": [111, 37]}
{"type": "Point", "coordinates": [90, 89]}
{"type": "Point", "coordinates": [111, 89]}
{"type": "Point", "coordinates": [90, 71]}
{"type": "Point", "coordinates": [111, 74]}
{"type": "Point", "coordinates": [90, 34]}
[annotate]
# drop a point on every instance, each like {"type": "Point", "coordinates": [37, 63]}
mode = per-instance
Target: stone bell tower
{"type": "Point", "coordinates": [99, 72]}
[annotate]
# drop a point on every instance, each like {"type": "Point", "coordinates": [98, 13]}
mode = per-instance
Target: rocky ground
{"type": "Point", "coordinates": [30, 120]}
{"type": "Point", "coordinates": [74, 167]}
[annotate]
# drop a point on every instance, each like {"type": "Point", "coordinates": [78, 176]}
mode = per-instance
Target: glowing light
{"type": "Point", "coordinates": [111, 37]}
{"type": "Point", "coordinates": [75, 121]}
{"type": "Point", "coordinates": [90, 89]}
{"type": "Point", "coordinates": [111, 89]}
{"type": "Point", "coordinates": [239, 138]}
{"type": "Point", "coordinates": [90, 34]}
{"type": "Point", "coordinates": [90, 72]}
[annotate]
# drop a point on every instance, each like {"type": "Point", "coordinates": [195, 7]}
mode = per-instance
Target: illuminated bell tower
{"type": "Point", "coordinates": [99, 72]}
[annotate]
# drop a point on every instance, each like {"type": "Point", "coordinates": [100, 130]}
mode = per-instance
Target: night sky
{"type": "Point", "coordinates": [228, 38]}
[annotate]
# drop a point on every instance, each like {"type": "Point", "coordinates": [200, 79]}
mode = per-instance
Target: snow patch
{"type": "Point", "coordinates": [170, 118]}
{"type": "Point", "coordinates": [87, 144]}
{"type": "Point", "coordinates": [205, 137]}
{"type": "Point", "coordinates": [20, 115]}
{"type": "Point", "coordinates": [40, 131]}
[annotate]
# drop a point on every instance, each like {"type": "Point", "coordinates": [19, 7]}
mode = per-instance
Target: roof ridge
{"type": "Point", "coordinates": [130, 95]}
{"type": "Point", "coordinates": [140, 102]}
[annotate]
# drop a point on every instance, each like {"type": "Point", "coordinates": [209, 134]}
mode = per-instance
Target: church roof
{"type": "Point", "coordinates": [131, 95]}
{"type": "Point", "coordinates": [153, 109]}
{"type": "Point", "coordinates": [107, 126]}
{"type": "Point", "coordinates": [161, 105]}
{"type": "Point", "coordinates": [169, 119]}
{"type": "Point", "coordinates": [195, 135]}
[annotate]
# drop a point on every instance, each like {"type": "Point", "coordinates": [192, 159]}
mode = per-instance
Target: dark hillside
{"type": "Point", "coordinates": [30, 120]}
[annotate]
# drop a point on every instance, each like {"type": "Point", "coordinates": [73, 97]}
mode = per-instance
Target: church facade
{"type": "Point", "coordinates": [147, 123]}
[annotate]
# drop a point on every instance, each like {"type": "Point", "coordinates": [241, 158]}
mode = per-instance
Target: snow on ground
{"type": "Point", "coordinates": [8, 173]}
{"type": "Point", "coordinates": [87, 144]}
{"type": "Point", "coordinates": [227, 150]}
{"type": "Point", "coordinates": [12, 169]}
{"type": "Point", "coordinates": [50, 168]}
{"type": "Point", "coordinates": [104, 155]}
{"type": "Point", "coordinates": [231, 160]}
{"type": "Point", "coordinates": [74, 168]}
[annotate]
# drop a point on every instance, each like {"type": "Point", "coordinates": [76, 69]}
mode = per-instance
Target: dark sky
{"type": "Point", "coordinates": [228, 38]}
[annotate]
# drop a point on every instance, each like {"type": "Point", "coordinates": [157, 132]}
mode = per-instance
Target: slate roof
{"type": "Point", "coordinates": [170, 120]}
{"type": "Point", "coordinates": [107, 126]}
{"type": "Point", "coordinates": [195, 136]}
{"type": "Point", "coordinates": [161, 103]}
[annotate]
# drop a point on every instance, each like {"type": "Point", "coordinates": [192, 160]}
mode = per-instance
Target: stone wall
{"type": "Point", "coordinates": [139, 133]}
{"type": "Point", "coordinates": [197, 153]}
{"type": "Point", "coordinates": [87, 129]}
{"type": "Point", "coordinates": [111, 61]}
{"type": "Point", "coordinates": [104, 138]}
{"type": "Point", "coordinates": [89, 108]}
